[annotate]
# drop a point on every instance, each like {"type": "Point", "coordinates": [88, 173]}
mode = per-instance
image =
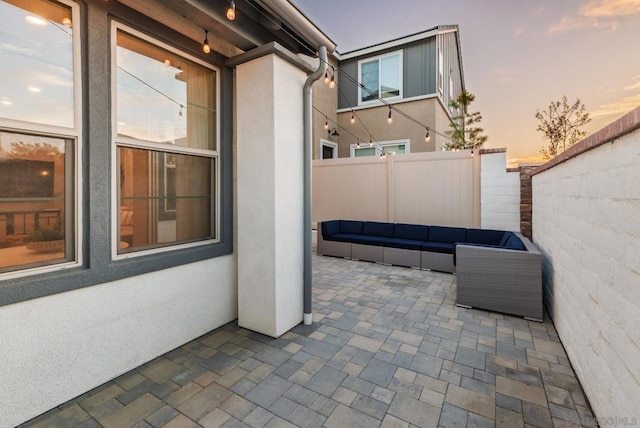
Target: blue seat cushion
{"type": "Point", "coordinates": [374, 228]}
{"type": "Point", "coordinates": [330, 227]}
{"type": "Point", "coordinates": [407, 244]}
{"type": "Point", "coordinates": [411, 231]}
{"type": "Point", "coordinates": [438, 247]}
{"type": "Point", "coordinates": [515, 243]}
{"type": "Point", "coordinates": [484, 236]}
{"type": "Point", "coordinates": [351, 226]}
{"type": "Point", "coordinates": [369, 240]}
{"type": "Point", "coordinates": [506, 236]}
{"type": "Point", "coordinates": [343, 237]}
{"type": "Point", "coordinates": [447, 234]}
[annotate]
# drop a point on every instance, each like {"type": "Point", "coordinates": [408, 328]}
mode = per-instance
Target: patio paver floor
{"type": "Point", "coordinates": [388, 348]}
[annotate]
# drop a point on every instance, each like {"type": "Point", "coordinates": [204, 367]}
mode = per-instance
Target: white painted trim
{"type": "Point", "coordinates": [379, 104]}
{"type": "Point", "coordinates": [389, 44]}
{"type": "Point", "coordinates": [379, 58]}
{"type": "Point", "coordinates": [134, 143]}
{"type": "Point", "coordinates": [331, 144]}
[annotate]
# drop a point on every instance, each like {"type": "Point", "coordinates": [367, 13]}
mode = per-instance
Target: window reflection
{"type": "Point", "coordinates": [36, 53]}
{"type": "Point", "coordinates": [33, 184]}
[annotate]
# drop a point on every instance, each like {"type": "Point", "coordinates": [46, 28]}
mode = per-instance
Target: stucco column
{"type": "Point", "coordinates": [270, 194]}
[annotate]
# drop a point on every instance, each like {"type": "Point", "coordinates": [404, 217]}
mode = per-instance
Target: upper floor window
{"type": "Point", "coordinates": [166, 144]}
{"type": "Point", "coordinates": [39, 133]}
{"type": "Point", "coordinates": [381, 77]}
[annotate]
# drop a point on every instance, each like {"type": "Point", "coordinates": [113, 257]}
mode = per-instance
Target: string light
{"type": "Point", "coordinates": [332, 82]}
{"type": "Point", "coordinates": [231, 11]}
{"type": "Point", "coordinates": [427, 137]}
{"type": "Point", "coordinates": [326, 122]}
{"type": "Point", "coordinates": [180, 112]}
{"type": "Point", "coordinates": [370, 142]}
{"type": "Point", "coordinates": [353, 117]}
{"type": "Point", "coordinates": [205, 45]}
{"type": "Point", "coordinates": [326, 76]}
{"type": "Point", "coordinates": [358, 144]}
{"type": "Point", "coordinates": [389, 118]}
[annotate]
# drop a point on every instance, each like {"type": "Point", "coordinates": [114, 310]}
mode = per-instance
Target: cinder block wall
{"type": "Point", "coordinates": [500, 192]}
{"type": "Point", "coordinates": [586, 222]}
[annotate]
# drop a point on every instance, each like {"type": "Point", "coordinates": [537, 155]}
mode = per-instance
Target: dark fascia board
{"type": "Point", "coordinates": [268, 49]}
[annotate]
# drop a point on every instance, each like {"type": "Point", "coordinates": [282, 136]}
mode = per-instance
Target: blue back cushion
{"type": "Point", "coordinates": [514, 243]}
{"type": "Point", "coordinates": [506, 236]}
{"type": "Point", "coordinates": [375, 228]}
{"type": "Point", "coordinates": [482, 236]}
{"type": "Point", "coordinates": [411, 231]}
{"type": "Point", "coordinates": [351, 226]}
{"type": "Point", "coordinates": [447, 234]}
{"type": "Point", "coordinates": [330, 227]}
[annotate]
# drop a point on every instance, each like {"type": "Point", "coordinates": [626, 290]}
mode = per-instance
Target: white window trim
{"type": "Point", "coordinates": [125, 142]}
{"type": "Point", "coordinates": [379, 58]}
{"type": "Point", "coordinates": [74, 133]}
{"type": "Point", "coordinates": [331, 144]}
{"type": "Point", "coordinates": [440, 70]}
{"type": "Point", "coordinates": [383, 144]}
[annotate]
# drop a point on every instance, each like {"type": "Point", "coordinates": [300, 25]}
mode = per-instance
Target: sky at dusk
{"type": "Point", "coordinates": [518, 56]}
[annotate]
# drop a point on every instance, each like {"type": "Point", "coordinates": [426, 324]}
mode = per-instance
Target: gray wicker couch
{"type": "Point", "coordinates": [500, 280]}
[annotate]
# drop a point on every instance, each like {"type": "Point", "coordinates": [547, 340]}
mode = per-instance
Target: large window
{"type": "Point", "coordinates": [39, 133]}
{"type": "Point", "coordinates": [166, 146]}
{"type": "Point", "coordinates": [381, 77]}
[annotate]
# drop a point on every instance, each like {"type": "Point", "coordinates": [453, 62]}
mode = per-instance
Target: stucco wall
{"type": "Point", "coordinates": [586, 222]}
{"type": "Point", "coordinates": [500, 192]}
{"type": "Point", "coordinates": [58, 347]}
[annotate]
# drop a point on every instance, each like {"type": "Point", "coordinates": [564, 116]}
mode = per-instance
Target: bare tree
{"type": "Point", "coordinates": [464, 133]}
{"type": "Point", "coordinates": [560, 124]}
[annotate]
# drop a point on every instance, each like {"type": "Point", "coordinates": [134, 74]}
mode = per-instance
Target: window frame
{"type": "Point", "coordinates": [379, 58]}
{"type": "Point", "coordinates": [331, 144]}
{"type": "Point", "coordinates": [440, 71]}
{"type": "Point", "coordinates": [117, 142]}
{"type": "Point", "coordinates": [383, 144]}
{"type": "Point", "coordinates": [75, 136]}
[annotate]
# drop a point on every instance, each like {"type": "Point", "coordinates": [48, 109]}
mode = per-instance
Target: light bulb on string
{"type": "Point", "coordinates": [358, 144]}
{"type": "Point", "coordinates": [180, 112]}
{"type": "Point", "coordinates": [231, 11]}
{"type": "Point", "coordinates": [353, 118]}
{"type": "Point", "coordinates": [370, 142]}
{"type": "Point", "coordinates": [389, 117]}
{"type": "Point", "coordinates": [205, 45]}
{"type": "Point", "coordinates": [332, 82]}
{"type": "Point", "coordinates": [326, 77]}
{"type": "Point", "coordinates": [427, 137]}
{"type": "Point", "coordinates": [326, 123]}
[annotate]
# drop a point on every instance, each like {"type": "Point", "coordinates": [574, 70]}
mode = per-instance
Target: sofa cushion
{"type": "Point", "coordinates": [514, 243]}
{"type": "Point", "coordinates": [351, 226]}
{"type": "Point", "coordinates": [438, 247]}
{"type": "Point", "coordinates": [506, 236]}
{"type": "Point", "coordinates": [447, 234]}
{"type": "Point", "coordinates": [374, 228]}
{"type": "Point", "coordinates": [484, 236]}
{"type": "Point", "coordinates": [330, 227]}
{"type": "Point", "coordinates": [411, 231]}
{"type": "Point", "coordinates": [407, 244]}
{"type": "Point", "coordinates": [343, 237]}
{"type": "Point", "coordinates": [369, 240]}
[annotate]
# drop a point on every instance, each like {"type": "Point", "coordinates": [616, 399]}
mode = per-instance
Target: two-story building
{"type": "Point", "coordinates": [417, 75]}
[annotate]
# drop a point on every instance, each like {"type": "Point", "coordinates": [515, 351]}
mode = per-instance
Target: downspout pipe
{"type": "Point", "coordinates": [308, 153]}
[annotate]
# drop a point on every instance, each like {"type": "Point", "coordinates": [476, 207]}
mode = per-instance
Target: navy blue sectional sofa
{"type": "Point", "coordinates": [412, 245]}
{"type": "Point", "coordinates": [496, 270]}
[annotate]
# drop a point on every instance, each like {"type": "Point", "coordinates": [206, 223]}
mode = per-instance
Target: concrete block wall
{"type": "Point", "coordinates": [586, 222]}
{"type": "Point", "coordinates": [500, 192]}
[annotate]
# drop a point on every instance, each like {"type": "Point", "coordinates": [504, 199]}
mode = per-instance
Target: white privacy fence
{"type": "Point", "coordinates": [435, 188]}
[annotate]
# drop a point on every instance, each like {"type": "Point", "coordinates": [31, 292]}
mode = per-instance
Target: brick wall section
{"type": "Point", "coordinates": [586, 206]}
{"type": "Point", "coordinates": [526, 197]}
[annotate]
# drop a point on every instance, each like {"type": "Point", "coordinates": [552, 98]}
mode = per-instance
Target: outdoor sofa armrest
{"type": "Point", "coordinates": [501, 280]}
